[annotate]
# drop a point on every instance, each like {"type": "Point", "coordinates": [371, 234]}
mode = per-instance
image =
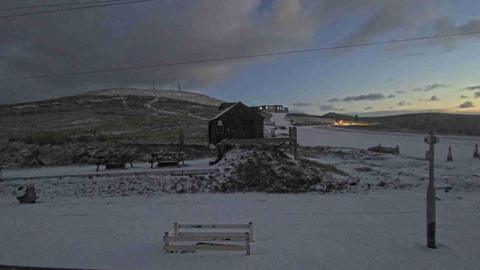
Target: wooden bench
{"type": "Point", "coordinates": [213, 237]}
{"type": "Point", "coordinates": [167, 159]}
{"type": "Point", "coordinates": [114, 162]}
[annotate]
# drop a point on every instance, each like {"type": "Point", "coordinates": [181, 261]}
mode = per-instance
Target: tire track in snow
{"type": "Point", "coordinates": [157, 112]}
{"type": "Point", "coordinates": [125, 105]}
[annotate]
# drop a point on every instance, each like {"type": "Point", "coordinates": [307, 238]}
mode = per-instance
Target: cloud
{"type": "Point", "coordinates": [403, 103]}
{"type": "Point", "coordinates": [295, 110]}
{"type": "Point", "coordinates": [330, 107]}
{"type": "Point", "coordinates": [146, 34]}
{"type": "Point", "coordinates": [368, 108]}
{"type": "Point", "coordinates": [176, 31]}
{"type": "Point", "coordinates": [385, 16]}
{"type": "Point", "coordinates": [400, 92]}
{"type": "Point", "coordinates": [434, 98]}
{"type": "Point", "coordinates": [444, 25]}
{"type": "Point", "coordinates": [466, 104]}
{"type": "Point", "coordinates": [302, 104]}
{"type": "Point", "coordinates": [430, 87]}
{"type": "Point", "coordinates": [472, 88]}
{"type": "Point", "coordinates": [372, 96]}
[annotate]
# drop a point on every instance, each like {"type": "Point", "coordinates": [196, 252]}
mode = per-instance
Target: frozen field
{"type": "Point", "coordinates": [376, 230]}
{"type": "Point", "coordinates": [410, 144]}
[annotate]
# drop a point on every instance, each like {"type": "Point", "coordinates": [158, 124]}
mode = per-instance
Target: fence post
{"type": "Point", "coordinates": [181, 139]}
{"type": "Point", "coordinates": [431, 140]}
{"type": "Point", "coordinates": [250, 230]}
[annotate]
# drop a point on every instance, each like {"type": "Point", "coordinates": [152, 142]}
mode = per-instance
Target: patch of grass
{"type": "Point", "coordinates": [46, 137]}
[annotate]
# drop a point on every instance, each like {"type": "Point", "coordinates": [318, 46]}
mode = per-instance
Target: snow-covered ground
{"type": "Point", "coordinates": [377, 230]}
{"type": "Point", "coordinates": [277, 125]}
{"type": "Point", "coordinates": [379, 224]}
{"type": "Point", "coordinates": [89, 169]}
{"type": "Point", "coordinates": [410, 144]}
{"type": "Point", "coordinates": [173, 94]}
{"type": "Point", "coordinates": [280, 119]}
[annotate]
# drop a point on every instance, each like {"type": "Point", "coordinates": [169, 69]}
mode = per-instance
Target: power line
{"type": "Point", "coordinates": [241, 57]}
{"type": "Point", "coordinates": [59, 4]}
{"type": "Point", "coordinates": [72, 9]}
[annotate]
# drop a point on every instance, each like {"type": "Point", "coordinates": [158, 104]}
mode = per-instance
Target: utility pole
{"type": "Point", "coordinates": [431, 140]}
{"type": "Point", "coordinates": [292, 132]}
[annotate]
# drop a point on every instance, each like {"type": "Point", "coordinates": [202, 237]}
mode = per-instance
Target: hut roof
{"type": "Point", "coordinates": [231, 107]}
{"type": "Point", "coordinates": [225, 111]}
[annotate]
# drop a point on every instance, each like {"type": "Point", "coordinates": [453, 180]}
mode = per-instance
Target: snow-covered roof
{"type": "Point", "coordinates": [225, 111]}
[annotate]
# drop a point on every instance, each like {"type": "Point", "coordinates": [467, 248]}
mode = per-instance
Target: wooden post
{"type": "Point", "coordinates": [247, 242]}
{"type": "Point", "coordinates": [431, 140]}
{"type": "Point", "coordinates": [250, 230]}
{"type": "Point", "coordinates": [181, 139]}
{"type": "Point", "coordinates": [293, 141]}
{"type": "Point", "coordinates": [98, 164]}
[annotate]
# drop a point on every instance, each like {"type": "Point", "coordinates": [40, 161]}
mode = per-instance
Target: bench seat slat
{"type": "Point", "coordinates": [213, 226]}
{"type": "Point", "coordinates": [205, 238]}
{"type": "Point", "coordinates": [204, 247]}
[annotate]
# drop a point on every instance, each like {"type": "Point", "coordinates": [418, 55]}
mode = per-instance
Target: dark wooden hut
{"type": "Point", "coordinates": [235, 121]}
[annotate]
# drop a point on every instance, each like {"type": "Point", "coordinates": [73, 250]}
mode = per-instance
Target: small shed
{"type": "Point", "coordinates": [235, 121]}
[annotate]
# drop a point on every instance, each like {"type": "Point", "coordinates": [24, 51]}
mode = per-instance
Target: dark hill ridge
{"type": "Point", "coordinates": [456, 124]}
{"type": "Point", "coordinates": [444, 123]}
{"type": "Point", "coordinates": [99, 120]}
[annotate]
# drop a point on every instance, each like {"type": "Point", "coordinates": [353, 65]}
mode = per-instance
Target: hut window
{"type": "Point", "coordinates": [220, 126]}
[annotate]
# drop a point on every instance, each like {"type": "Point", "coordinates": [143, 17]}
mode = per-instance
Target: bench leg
{"type": "Point", "coordinates": [165, 242]}
{"type": "Point", "coordinates": [247, 242]}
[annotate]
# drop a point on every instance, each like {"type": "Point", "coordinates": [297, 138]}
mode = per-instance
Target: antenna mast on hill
{"type": "Point", "coordinates": [179, 87]}
{"type": "Point", "coordinates": [154, 85]}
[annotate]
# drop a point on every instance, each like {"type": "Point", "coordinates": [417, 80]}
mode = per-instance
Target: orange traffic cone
{"type": "Point", "coordinates": [476, 154]}
{"type": "Point", "coordinates": [449, 155]}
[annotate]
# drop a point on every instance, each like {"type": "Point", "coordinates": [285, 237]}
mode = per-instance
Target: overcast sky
{"type": "Point", "coordinates": [439, 75]}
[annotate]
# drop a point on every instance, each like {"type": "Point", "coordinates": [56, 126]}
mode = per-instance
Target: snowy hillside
{"type": "Point", "coordinates": [70, 130]}
{"type": "Point", "coordinates": [171, 94]}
